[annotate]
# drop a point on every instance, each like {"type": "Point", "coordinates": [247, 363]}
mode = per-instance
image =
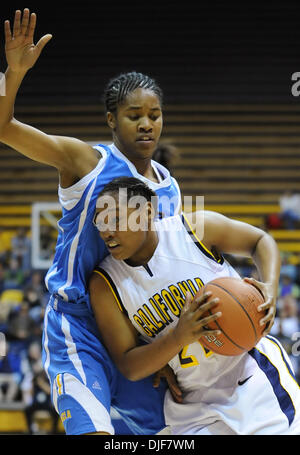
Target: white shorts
{"type": "Point", "coordinates": [267, 402]}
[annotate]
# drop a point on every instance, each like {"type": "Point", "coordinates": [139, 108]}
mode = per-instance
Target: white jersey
{"type": "Point", "coordinates": [253, 393]}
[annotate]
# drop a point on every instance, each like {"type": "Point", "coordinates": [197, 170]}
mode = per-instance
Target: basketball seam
{"type": "Point", "coordinates": [225, 334]}
{"type": "Point", "coordinates": [253, 326]}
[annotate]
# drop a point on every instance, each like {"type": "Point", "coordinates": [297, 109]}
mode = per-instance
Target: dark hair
{"type": "Point", "coordinates": [135, 187]}
{"type": "Point", "coordinates": [119, 87]}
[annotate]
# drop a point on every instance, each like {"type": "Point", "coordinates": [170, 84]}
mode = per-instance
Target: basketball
{"type": "Point", "coordinates": [240, 318]}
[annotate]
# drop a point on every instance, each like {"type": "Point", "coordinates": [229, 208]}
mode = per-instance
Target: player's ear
{"type": "Point", "coordinates": [111, 120]}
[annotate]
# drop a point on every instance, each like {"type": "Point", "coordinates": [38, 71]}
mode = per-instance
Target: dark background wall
{"type": "Point", "coordinates": [218, 51]}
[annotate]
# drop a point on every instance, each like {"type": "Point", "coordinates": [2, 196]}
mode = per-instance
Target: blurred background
{"type": "Point", "coordinates": [231, 115]}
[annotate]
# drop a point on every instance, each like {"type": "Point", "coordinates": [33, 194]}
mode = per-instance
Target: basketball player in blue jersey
{"type": "Point", "coordinates": [144, 288]}
{"type": "Point", "coordinates": [84, 381]}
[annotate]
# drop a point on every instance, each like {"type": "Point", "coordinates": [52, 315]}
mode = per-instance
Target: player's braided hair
{"type": "Point", "coordinates": [134, 186]}
{"type": "Point", "coordinates": [119, 87]}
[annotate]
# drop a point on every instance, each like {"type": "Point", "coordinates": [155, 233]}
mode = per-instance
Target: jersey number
{"type": "Point", "coordinates": [187, 361]}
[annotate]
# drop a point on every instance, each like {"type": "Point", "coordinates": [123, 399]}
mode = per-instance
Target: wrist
{"type": "Point", "coordinates": [16, 73]}
{"type": "Point", "coordinates": [176, 339]}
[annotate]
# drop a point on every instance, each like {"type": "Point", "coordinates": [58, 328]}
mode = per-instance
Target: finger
{"type": "Point", "coordinates": [188, 297]}
{"type": "Point", "coordinates": [198, 301]}
{"type": "Point", "coordinates": [17, 23]}
{"type": "Point", "coordinates": [268, 327]}
{"type": "Point", "coordinates": [252, 281]}
{"type": "Point", "coordinates": [264, 306]}
{"type": "Point", "coordinates": [268, 322]}
{"type": "Point", "coordinates": [173, 384]}
{"type": "Point", "coordinates": [267, 318]}
{"type": "Point", "coordinates": [176, 394]}
{"type": "Point", "coordinates": [43, 41]}
{"type": "Point", "coordinates": [207, 332]}
{"type": "Point", "coordinates": [248, 279]}
{"type": "Point", "coordinates": [25, 21]}
{"type": "Point", "coordinates": [174, 387]}
{"type": "Point", "coordinates": [188, 301]}
{"type": "Point", "coordinates": [203, 297]}
{"type": "Point", "coordinates": [7, 31]}
{"type": "Point", "coordinates": [156, 380]}
{"type": "Point", "coordinates": [207, 306]}
{"type": "Point", "coordinates": [31, 27]}
{"type": "Point", "coordinates": [208, 319]}
{"type": "Point", "coordinates": [257, 284]}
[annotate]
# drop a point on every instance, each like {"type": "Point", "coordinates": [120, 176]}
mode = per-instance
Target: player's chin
{"type": "Point", "coordinates": [119, 253]}
{"type": "Point", "coordinates": [116, 251]}
{"type": "Point", "coordinates": [146, 148]}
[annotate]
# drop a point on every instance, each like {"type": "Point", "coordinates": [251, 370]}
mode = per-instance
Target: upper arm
{"type": "Point", "coordinates": [118, 333]}
{"type": "Point", "coordinates": [228, 235]}
{"type": "Point", "coordinates": [64, 153]}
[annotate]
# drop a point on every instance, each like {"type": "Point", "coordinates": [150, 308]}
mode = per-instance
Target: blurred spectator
{"type": "Point", "coordinates": [35, 288]}
{"type": "Point", "coordinates": [290, 209]}
{"type": "Point", "coordinates": [167, 155]}
{"type": "Point", "coordinates": [32, 297]}
{"type": "Point", "coordinates": [13, 368]}
{"type": "Point", "coordinates": [13, 276]}
{"type": "Point", "coordinates": [48, 237]}
{"type": "Point", "coordinates": [37, 393]}
{"type": "Point", "coordinates": [288, 287]}
{"type": "Point", "coordinates": [274, 221]}
{"type": "Point", "coordinates": [288, 268]}
{"type": "Point", "coordinates": [21, 249]}
{"type": "Point", "coordinates": [21, 327]}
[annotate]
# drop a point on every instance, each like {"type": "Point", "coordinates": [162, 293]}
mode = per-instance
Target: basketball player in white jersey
{"type": "Point", "coordinates": [143, 289]}
{"type": "Point", "coordinates": [85, 383]}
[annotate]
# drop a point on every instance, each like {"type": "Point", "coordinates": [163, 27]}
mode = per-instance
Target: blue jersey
{"type": "Point", "coordinates": [79, 247]}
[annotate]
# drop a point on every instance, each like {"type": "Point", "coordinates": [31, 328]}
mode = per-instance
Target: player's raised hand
{"type": "Point", "coordinates": [21, 52]}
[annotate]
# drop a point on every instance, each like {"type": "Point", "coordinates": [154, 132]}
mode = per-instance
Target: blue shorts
{"type": "Point", "coordinates": [85, 383]}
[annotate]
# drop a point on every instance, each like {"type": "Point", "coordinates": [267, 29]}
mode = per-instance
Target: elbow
{"type": "Point", "coordinates": [5, 131]}
{"type": "Point", "coordinates": [131, 373]}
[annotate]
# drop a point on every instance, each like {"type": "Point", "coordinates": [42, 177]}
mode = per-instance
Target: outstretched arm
{"type": "Point", "coordinates": [121, 337]}
{"type": "Point", "coordinates": [68, 155]}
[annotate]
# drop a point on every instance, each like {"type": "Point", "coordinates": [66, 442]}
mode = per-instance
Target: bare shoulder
{"type": "Point", "coordinates": [210, 227]}
{"type": "Point", "coordinates": [80, 159]}
{"type": "Point", "coordinates": [204, 219]}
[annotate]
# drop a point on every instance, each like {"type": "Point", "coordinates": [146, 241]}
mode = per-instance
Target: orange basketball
{"type": "Point", "coordinates": [240, 318]}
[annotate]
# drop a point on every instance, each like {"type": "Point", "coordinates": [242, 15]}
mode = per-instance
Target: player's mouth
{"type": "Point", "coordinates": [112, 245]}
{"type": "Point", "coordinates": [145, 138]}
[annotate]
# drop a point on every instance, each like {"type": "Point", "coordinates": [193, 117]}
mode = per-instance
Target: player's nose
{"type": "Point", "coordinates": [107, 235]}
{"type": "Point", "coordinates": [145, 125]}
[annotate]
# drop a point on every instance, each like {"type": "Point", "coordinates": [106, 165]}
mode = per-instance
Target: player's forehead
{"type": "Point", "coordinates": [120, 197]}
{"type": "Point", "coordinates": [113, 204]}
{"type": "Point", "coordinates": [111, 199]}
{"type": "Point", "coordinates": [141, 98]}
